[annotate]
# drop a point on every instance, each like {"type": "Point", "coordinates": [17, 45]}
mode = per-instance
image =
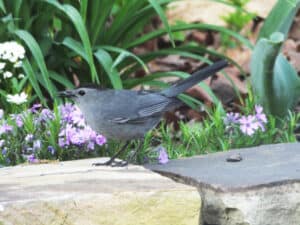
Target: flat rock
{"type": "Point", "coordinates": [260, 166]}
{"type": "Point", "coordinates": [261, 189]}
{"type": "Point", "coordinates": [74, 192]}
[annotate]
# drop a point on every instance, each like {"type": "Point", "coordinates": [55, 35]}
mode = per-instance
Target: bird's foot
{"type": "Point", "coordinates": [112, 163]}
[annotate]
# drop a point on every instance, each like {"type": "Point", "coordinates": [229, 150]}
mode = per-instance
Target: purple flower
{"type": "Point", "coordinates": [51, 149]}
{"type": "Point", "coordinates": [66, 112]}
{"type": "Point", "coordinates": [4, 151]}
{"type": "Point", "coordinates": [163, 155]}
{"type": "Point", "coordinates": [248, 125]}
{"type": "Point", "coordinates": [73, 135]}
{"type": "Point", "coordinates": [5, 128]}
{"type": "Point", "coordinates": [260, 117]}
{"type": "Point", "coordinates": [91, 133]}
{"type": "Point", "coordinates": [100, 140]}
{"type": "Point", "coordinates": [19, 120]}
{"type": "Point", "coordinates": [67, 135]}
{"type": "Point", "coordinates": [75, 130]}
{"type": "Point", "coordinates": [231, 118]}
{"type": "Point", "coordinates": [91, 145]}
{"type": "Point", "coordinates": [77, 117]}
{"type": "Point", "coordinates": [61, 142]}
{"type": "Point", "coordinates": [37, 144]}
{"type": "Point", "coordinates": [46, 115]}
{"type": "Point", "coordinates": [31, 159]}
{"type": "Point", "coordinates": [78, 138]}
{"type": "Point", "coordinates": [35, 107]}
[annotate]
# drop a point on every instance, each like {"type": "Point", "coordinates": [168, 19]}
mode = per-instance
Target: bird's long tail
{"type": "Point", "coordinates": [195, 78]}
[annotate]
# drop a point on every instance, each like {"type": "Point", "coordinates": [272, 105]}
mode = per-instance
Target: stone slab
{"type": "Point", "coordinates": [261, 166]}
{"type": "Point", "coordinates": [75, 192]}
{"type": "Point", "coordinates": [262, 189]}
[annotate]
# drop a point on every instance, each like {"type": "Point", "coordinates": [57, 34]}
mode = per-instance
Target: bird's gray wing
{"type": "Point", "coordinates": [143, 114]}
{"type": "Point", "coordinates": [151, 105]}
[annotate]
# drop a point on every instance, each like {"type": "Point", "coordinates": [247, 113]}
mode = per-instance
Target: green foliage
{"type": "Point", "coordinates": [213, 135]}
{"type": "Point", "coordinates": [280, 18]}
{"type": "Point", "coordinates": [90, 39]}
{"type": "Point", "coordinates": [275, 81]}
{"type": "Point", "coordinates": [236, 20]}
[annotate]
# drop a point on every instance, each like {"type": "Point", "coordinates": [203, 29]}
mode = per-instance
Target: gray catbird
{"type": "Point", "coordinates": [127, 114]}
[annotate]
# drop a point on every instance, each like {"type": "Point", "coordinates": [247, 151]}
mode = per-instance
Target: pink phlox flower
{"type": "Point", "coordinates": [163, 157]}
{"type": "Point", "coordinates": [5, 128]}
{"type": "Point", "coordinates": [100, 140]}
{"type": "Point", "coordinates": [231, 118]}
{"type": "Point", "coordinates": [77, 117]}
{"type": "Point", "coordinates": [260, 117]}
{"type": "Point", "coordinates": [248, 125]}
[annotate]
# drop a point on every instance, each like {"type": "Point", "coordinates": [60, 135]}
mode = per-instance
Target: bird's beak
{"type": "Point", "coordinates": [66, 94]}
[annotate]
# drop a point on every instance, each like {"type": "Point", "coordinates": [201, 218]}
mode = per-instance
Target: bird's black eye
{"type": "Point", "coordinates": [81, 92]}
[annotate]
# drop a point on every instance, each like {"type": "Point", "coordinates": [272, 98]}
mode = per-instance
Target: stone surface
{"type": "Point", "coordinates": [261, 189]}
{"type": "Point", "coordinates": [74, 192]}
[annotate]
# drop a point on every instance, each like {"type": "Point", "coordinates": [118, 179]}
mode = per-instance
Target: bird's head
{"type": "Point", "coordinates": [81, 95]}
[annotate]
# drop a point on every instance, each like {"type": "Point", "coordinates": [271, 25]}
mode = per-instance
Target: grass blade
{"type": "Point", "coordinates": [77, 21]}
{"type": "Point", "coordinates": [163, 18]}
{"type": "Point", "coordinates": [107, 63]}
{"type": "Point", "coordinates": [33, 80]}
{"type": "Point", "coordinates": [98, 18]}
{"type": "Point", "coordinates": [2, 6]}
{"type": "Point", "coordinates": [60, 79]}
{"type": "Point", "coordinates": [83, 9]}
{"type": "Point", "coordinates": [76, 47]}
{"type": "Point", "coordinates": [127, 54]}
{"type": "Point", "coordinates": [38, 57]}
{"type": "Point", "coordinates": [182, 27]}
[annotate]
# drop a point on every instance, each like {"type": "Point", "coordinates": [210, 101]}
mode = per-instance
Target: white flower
{"type": "Point", "coordinates": [18, 64]}
{"type": "Point", "coordinates": [1, 113]}
{"type": "Point", "coordinates": [11, 51]}
{"type": "Point", "coordinates": [21, 76]}
{"type": "Point", "coordinates": [13, 59]}
{"type": "Point", "coordinates": [7, 74]}
{"type": "Point", "coordinates": [17, 98]}
{"type": "Point", "coordinates": [2, 65]}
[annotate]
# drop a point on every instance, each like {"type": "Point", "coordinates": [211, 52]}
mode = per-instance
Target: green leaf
{"type": "Point", "coordinates": [33, 80]}
{"type": "Point", "coordinates": [2, 6]}
{"type": "Point", "coordinates": [60, 79]}
{"type": "Point", "coordinates": [38, 57]}
{"type": "Point", "coordinates": [274, 80]}
{"type": "Point", "coordinates": [125, 53]}
{"type": "Point", "coordinates": [107, 63]}
{"type": "Point", "coordinates": [163, 18]}
{"type": "Point", "coordinates": [76, 47]}
{"type": "Point", "coordinates": [77, 21]}
{"type": "Point", "coordinates": [83, 9]}
{"type": "Point", "coordinates": [182, 27]}
{"type": "Point", "coordinates": [280, 18]}
{"type": "Point", "coordinates": [98, 18]}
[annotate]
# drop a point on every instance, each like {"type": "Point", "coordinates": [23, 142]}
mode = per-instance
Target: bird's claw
{"type": "Point", "coordinates": [111, 163]}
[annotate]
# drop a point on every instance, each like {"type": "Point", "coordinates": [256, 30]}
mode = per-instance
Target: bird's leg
{"type": "Point", "coordinates": [137, 149]}
{"type": "Point", "coordinates": [111, 161]}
